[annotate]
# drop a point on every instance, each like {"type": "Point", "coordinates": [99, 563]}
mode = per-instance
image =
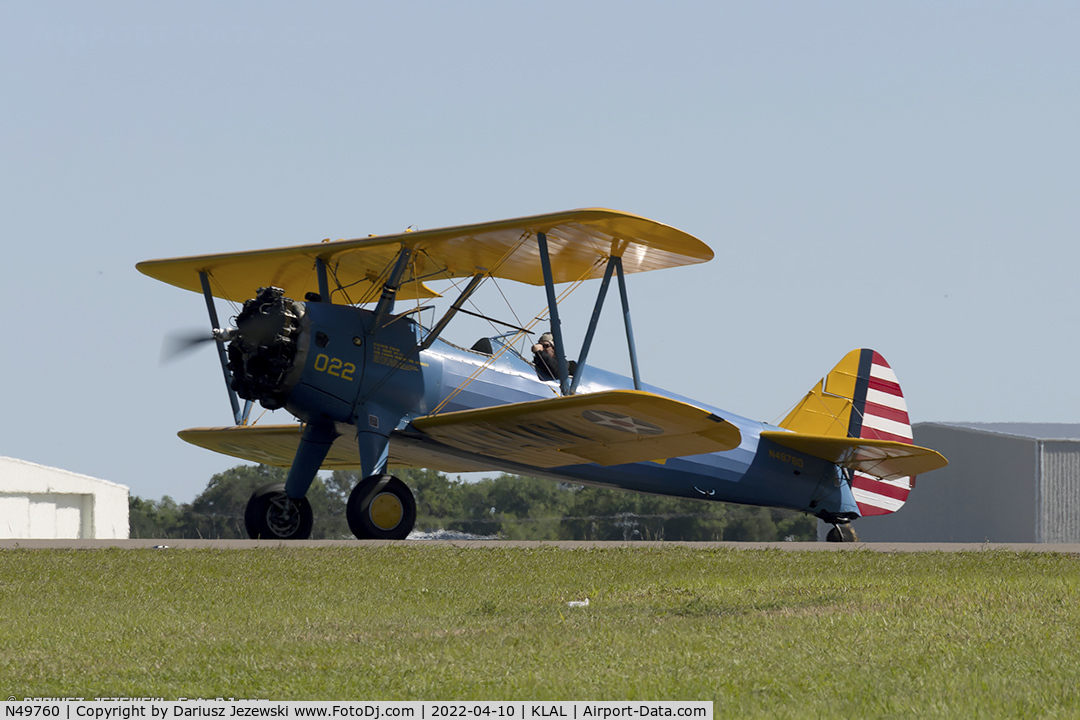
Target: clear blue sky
{"type": "Point", "coordinates": [902, 176]}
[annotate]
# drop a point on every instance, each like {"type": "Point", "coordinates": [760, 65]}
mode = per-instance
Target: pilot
{"type": "Point", "coordinates": [547, 365]}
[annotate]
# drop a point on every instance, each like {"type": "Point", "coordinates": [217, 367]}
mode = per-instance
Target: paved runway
{"type": "Point", "coordinates": [1068, 548]}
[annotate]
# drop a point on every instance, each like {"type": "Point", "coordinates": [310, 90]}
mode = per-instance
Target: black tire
{"type": "Point", "coordinates": [273, 515]}
{"type": "Point", "coordinates": [842, 533]}
{"type": "Point", "coordinates": [381, 507]}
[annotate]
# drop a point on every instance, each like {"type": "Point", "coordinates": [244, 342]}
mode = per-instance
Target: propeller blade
{"type": "Point", "coordinates": [178, 344]}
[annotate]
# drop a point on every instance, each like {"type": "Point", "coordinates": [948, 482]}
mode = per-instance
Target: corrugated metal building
{"type": "Point", "coordinates": [47, 503]}
{"type": "Point", "coordinates": [1006, 482]}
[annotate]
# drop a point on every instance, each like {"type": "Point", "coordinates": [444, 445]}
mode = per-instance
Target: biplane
{"type": "Point", "coordinates": [322, 334]}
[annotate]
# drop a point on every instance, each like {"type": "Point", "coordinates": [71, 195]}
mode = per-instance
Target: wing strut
{"type": "Point", "coordinates": [390, 288]}
{"type": "Point", "coordinates": [626, 320]}
{"type": "Point", "coordinates": [324, 286]}
{"type": "Point", "coordinates": [553, 313]}
{"type": "Point", "coordinates": [239, 417]}
{"type": "Point", "coordinates": [614, 263]}
{"type": "Point", "coordinates": [593, 322]}
{"type": "Point", "coordinates": [450, 313]}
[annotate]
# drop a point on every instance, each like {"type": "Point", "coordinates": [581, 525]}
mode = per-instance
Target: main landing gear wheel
{"type": "Point", "coordinates": [273, 515]}
{"type": "Point", "coordinates": [381, 507]}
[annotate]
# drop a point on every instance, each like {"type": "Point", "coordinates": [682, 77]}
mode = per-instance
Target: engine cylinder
{"type": "Point", "coordinates": [263, 356]}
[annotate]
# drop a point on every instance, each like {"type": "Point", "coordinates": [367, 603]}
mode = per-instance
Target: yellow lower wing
{"type": "Point", "coordinates": [608, 428]}
{"type": "Point", "coordinates": [881, 458]}
{"type": "Point", "coordinates": [276, 445]}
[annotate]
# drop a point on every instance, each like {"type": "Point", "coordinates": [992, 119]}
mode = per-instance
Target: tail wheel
{"type": "Point", "coordinates": [842, 533]}
{"type": "Point", "coordinates": [381, 507]}
{"type": "Point", "coordinates": [273, 515]}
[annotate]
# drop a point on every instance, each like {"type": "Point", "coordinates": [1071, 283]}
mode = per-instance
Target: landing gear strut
{"type": "Point", "coordinates": [381, 507]}
{"type": "Point", "coordinates": [273, 515]}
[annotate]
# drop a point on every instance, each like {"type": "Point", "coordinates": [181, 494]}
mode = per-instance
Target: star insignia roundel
{"type": "Point", "coordinates": [623, 423]}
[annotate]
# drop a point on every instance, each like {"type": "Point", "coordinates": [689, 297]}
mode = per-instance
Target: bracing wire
{"type": "Point", "coordinates": [540, 317]}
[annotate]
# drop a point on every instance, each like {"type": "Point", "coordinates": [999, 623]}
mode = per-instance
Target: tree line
{"type": "Point", "coordinates": [510, 507]}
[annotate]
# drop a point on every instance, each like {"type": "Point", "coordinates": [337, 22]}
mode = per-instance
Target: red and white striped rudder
{"type": "Point", "coordinates": [879, 412]}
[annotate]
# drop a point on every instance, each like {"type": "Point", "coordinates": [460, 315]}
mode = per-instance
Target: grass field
{"type": "Point", "coordinates": [761, 633]}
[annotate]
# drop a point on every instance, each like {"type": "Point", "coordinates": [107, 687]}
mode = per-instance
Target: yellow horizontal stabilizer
{"type": "Point", "coordinates": [577, 241]}
{"type": "Point", "coordinates": [608, 428]}
{"type": "Point", "coordinates": [276, 445]}
{"type": "Point", "coordinates": [884, 459]}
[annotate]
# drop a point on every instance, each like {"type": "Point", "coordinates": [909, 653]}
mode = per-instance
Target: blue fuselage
{"type": "Point", "coordinates": [758, 472]}
{"type": "Point", "coordinates": [378, 381]}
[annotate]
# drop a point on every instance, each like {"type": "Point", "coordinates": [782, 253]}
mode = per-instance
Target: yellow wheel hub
{"type": "Point", "coordinates": [386, 511]}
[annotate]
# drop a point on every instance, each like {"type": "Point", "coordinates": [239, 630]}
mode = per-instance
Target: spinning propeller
{"type": "Point", "coordinates": [180, 343]}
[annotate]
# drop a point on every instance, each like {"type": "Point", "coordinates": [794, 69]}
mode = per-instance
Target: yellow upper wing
{"type": "Point", "coordinates": [609, 428]}
{"type": "Point", "coordinates": [881, 458]}
{"type": "Point", "coordinates": [577, 240]}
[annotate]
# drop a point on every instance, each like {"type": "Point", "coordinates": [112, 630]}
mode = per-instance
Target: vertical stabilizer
{"type": "Point", "coordinates": [860, 398]}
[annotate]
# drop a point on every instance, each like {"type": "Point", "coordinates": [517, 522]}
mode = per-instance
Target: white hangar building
{"type": "Point", "coordinates": [1006, 482]}
{"type": "Point", "coordinates": [38, 502]}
